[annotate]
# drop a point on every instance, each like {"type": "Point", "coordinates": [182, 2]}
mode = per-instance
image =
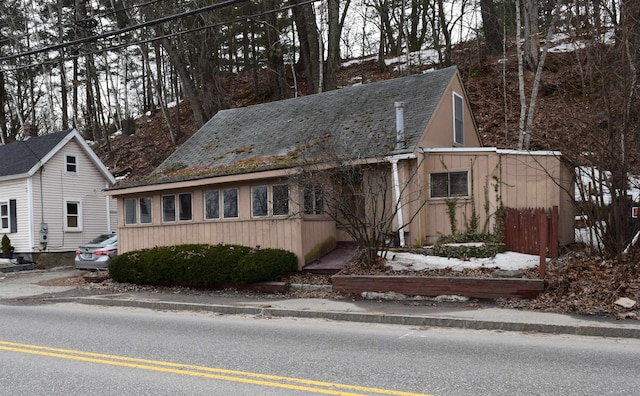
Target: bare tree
{"type": "Point", "coordinates": [359, 196]}
{"type": "Point", "coordinates": [527, 111]}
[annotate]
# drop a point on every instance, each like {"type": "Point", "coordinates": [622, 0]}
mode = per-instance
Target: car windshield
{"type": "Point", "coordinates": [104, 239]}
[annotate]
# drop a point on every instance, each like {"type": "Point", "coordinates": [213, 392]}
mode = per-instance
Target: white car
{"type": "Point", "coordinates": [97, 253]}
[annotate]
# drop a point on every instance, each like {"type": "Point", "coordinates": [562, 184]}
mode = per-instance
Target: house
{"type": "Point", "coordinates": [236, 180]}
{"type": "Point", "coordinates": [51, 194]}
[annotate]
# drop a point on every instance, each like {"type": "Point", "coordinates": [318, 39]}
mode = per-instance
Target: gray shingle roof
{"type": "Point", "coordinates": [19, 157]}
{"type": "Point", "coordinates": [350, 123]}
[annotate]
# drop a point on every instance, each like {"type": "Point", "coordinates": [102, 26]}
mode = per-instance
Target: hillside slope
{"type": "Point", "coordinates": [576, 283]}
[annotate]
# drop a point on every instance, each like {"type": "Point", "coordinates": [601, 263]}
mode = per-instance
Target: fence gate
{"type": "Point", "coordinates": [532, 231]}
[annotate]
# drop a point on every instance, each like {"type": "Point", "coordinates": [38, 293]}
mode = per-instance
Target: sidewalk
{"type": "Point", "coordinates": [24, 285]}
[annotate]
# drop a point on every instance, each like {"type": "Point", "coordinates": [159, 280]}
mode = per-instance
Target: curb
{"type": "Point", "coordinates": [411, 320]}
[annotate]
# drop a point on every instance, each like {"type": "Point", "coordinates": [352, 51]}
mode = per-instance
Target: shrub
{"type": "Point", "coordinates": [264, 265]}
{"type": "Point", "coordinates": [201, 265]}
{"type": "Point", "coordinates": [485, 250]}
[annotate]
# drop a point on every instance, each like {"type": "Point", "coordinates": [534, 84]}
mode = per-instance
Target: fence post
{"type": "Point", "coordinates": [553, 234]}
{"type": "Point", "coordinates": [543, 228]}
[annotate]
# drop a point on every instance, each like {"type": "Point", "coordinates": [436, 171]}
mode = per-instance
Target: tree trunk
{"type": "Point", "coordinates": [491, 27]}
{"type": "Point", "coordinates": [446, 33]}
{"type": "Point", "coordinates": [305, 21]}
{"type": "Point", "coordinates": [186, 81]}
{"type": "Point", "coordinates": [531, 33]}
{"type": "Point", "coordinates": [275, 60]}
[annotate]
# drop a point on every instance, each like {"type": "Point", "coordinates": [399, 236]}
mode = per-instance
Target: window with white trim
{"type": "Point", "coordinates": [70, 164]}
{"type": "Point", "coordinates": [73, 216]}
{"type": "Point", "coordinates": [4, 217]}
{"type": "Point", "coordinates": [145, 210]}
{"type": "Point", "coordinates": [458, 119]}
{"type": "Point", "coordinates": [259, 207]}
{"type": "Point", "coordinates": [212, 204]}
{"type": "Point", "coordinates": [230, 202]}
{"type": "Point", "coordinates": [135, 209]}
{"type": "Point", "coordinates": [177, 207]}
{"type": "Point", "coordinates": [449, 184]}
{"type": "Point", "coordinates": [130, 213]}
{"type": "Point", "coordinates": [270, 200]}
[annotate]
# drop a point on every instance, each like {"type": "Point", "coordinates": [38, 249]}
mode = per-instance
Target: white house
{"type": "Point", "coordinates": [51, 194]}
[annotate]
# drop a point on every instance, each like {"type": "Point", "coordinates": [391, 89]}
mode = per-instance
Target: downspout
{"type": "Point", "coordinates": [396, 190]}
{"type": "Point", "coordinates": [106, 200]}
{"type": "Point", "coordinates": [401, 143]}
{"type": "Point", "coordinates": [32, 246]}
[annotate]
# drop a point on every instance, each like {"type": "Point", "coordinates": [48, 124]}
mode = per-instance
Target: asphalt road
{"type": "Point", "coordinates": [75, 349]}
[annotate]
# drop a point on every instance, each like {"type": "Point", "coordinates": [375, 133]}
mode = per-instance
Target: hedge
{"type": "Point", "coordinates": [201, 265]}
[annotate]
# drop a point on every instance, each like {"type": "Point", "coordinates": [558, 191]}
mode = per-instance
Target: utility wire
{"type": "Point", "coordinates": [150, 40]}
{"type": "Point", "coordinates": [124, 30]}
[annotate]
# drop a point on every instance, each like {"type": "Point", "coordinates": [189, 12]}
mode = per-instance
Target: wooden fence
{"type": "Point", "coordinates": [532, 231]}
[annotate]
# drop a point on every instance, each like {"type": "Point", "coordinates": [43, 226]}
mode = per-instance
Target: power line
{"type": "Point", "coordinates": [124, 30]}
{"type": "Point", "coordinates": [152, 39]}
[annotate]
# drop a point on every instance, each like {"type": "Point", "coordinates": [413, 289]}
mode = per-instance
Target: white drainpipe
{"type": "Point", "coordinates": [396, 189]}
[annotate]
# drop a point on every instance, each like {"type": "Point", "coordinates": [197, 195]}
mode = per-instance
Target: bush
{"type": "Point", "coordinates": [201, 266]}
{"type": "Point", "coordinates": [264, 265]}
{"type": "Point", "coordinates": [485, 250]}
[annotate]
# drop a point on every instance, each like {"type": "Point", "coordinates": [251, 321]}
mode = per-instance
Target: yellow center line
{"type": "Point", "coordinates": [200, 371]}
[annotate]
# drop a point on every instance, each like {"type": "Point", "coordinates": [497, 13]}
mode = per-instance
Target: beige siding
{"type": "Point", "coordinates": [519, 180]}
{"type": "Point", "coordinates": [284, 232]}
{"type": "Point", "coordinates": [315, 234]}
{"type": "Point", "coordinates": [439, 132]}
{"type": "Point", "coordinates": [58, 186]}
{"type": "Point", "coordinates": [18, 190]}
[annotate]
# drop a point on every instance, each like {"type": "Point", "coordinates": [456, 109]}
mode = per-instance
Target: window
{"type": "Point", "coordinates": [449, 184]}
{"type": "Point", "coordinates": [168, 208]}
{"type": "Point", "coordinates": [259, 201]}
{"type": "Point", "coordinates": [70, 164]}
{"type": "Point", "coordinates": [212, 204]}
{"type": "Point", "coordinates": [230, 202]}
{"type": "Point", "coordinates": [313, 202]}
{"type": "Point", "coordinates": [280, 200]}
{"type": "Point", "coordinates": [8, 216]}
{"type": "Point", "coordinates": [183, 207]}
{"type": "Point", "coordinates": [145, 210]}
{"type": "Point", "coordinates": [73, 216]}
{"type": "Point", "coordinates": [458, 119]}
{"type": "Point", "coordinates": [185, 211]}
{"type": "Point", "coordinates": [261, 206]}
{"type": "Point", "coordinates": [4, 216]}
{"type": "Point", "coordinates": [131, 210]}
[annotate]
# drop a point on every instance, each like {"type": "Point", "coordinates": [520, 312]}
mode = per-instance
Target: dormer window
{"type": "Point", "coordinates": [70, 164]}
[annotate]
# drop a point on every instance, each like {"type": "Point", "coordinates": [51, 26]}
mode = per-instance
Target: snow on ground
{"type": "Point", "coordinates": [503, 261]}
